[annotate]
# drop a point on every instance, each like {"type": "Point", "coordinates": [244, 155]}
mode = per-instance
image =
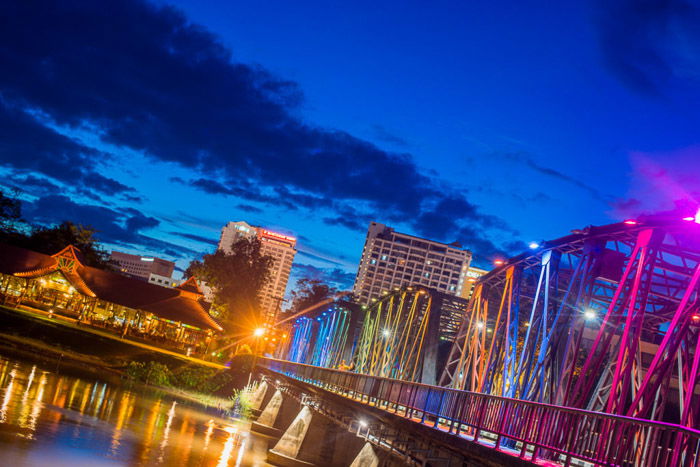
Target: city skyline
{"type": "Point", "coordinates": [198, 114]}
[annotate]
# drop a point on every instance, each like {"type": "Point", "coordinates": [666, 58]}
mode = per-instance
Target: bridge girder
{"type": "Point", "coordinates": [526, 333]}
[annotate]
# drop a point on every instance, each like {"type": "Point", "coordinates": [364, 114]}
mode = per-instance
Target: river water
{"type": "Point", "coordinates": [51, 419]}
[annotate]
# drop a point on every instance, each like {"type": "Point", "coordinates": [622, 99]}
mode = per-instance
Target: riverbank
{"type": "Point", "coordinates": [50, 417]}
{"type": "Point", "coordinates": [77, 351]}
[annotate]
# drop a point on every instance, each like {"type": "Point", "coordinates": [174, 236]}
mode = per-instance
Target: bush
{"type": "Point", "coordinates": [242, 401]}
{"type": "Point", "coordinates": [150, 373]}
{"type": "Point", "coordinates": [194, 379]}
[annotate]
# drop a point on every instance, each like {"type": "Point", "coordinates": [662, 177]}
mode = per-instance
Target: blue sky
{"type": "Point", "coordinates": [490, 123]}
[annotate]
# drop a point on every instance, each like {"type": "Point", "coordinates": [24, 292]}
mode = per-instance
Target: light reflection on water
{"type": "Point", "coordinates": [52, 419]}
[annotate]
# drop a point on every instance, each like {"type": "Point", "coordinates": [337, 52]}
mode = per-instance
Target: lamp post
{"type": "Point", "coordinates": [257, 334]}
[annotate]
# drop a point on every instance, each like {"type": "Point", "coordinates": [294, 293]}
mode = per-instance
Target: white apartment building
{"type": "Point", "coordinates": [163, 281]}
{"type": "Point", "coordinates": [142, 266]}
{"type": "Point", "coordinates": [282, 249]}
{"type": "Point", "coordinates": [391, 260]}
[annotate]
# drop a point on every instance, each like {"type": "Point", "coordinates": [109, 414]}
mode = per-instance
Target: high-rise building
{"type": "Point", "coordinates": [142, 266]}
{"type": "Point", "coordinates": [391, 260]}
{"type": "Point", "coordinates": [281, 248]}
{"type": "Point", "coordinates": [473, 274]}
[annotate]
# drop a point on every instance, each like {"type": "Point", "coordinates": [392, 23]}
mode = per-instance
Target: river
{"type": "Point", "coordinates": [52, 419]}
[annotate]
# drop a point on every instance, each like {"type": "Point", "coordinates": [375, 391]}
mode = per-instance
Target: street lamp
{"type": "Point", "coordinates": [258, 333]}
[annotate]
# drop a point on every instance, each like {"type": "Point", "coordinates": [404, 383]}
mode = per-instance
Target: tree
{"type": "Point", "coordinates": [10, 212]}
{"type": "Point", "coordinates": [49, 240]}
{"type": "Point", "coordinates": [308, 292]}
{"type": "Point", "coordinates": [236, 280]}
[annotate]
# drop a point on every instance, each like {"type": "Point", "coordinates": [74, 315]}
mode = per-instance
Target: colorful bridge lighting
{"type": "Point", "coordinates": [695, 218]}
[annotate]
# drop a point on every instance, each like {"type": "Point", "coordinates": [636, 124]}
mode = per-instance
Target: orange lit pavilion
{"type": "Point", "coordinates": [61, 284]}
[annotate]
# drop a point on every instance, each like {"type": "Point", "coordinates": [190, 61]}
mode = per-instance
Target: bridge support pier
{"type": "Point", "coordinates": [366, 457]}
{"type": "Point", "coordinates": [318, 441]}
{"type": "Point", "coordinates": [287, 448]}
{"type": "Point", "coordinates": [258, 398]}
{"type": "Point", "coordinates": [265, 424]}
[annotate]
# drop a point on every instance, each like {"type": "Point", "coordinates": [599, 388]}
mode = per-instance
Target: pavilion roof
{"type": "Point", "coordinates": [183, 304]}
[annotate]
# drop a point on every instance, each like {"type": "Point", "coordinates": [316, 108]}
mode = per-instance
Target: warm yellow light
{"type": "Point", "coordinates": [259, 332]}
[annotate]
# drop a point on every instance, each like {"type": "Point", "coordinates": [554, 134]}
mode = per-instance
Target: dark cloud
{"type": "Point", "coordinates": [29, 146]}
{"type": "Point", "coordinates": [144, 78]}
{"type": "Point", "coordinates": [115, 226]}
{"type": "Point", "coordinates": [530, 162]}
{"type": "Point", "coordinates": [31, 183]}
{"type": "Point", "coordinates": [651, 46]}
{"type": "Point", "coordinates": [350, 218]}
{"type": "Point", "coordinates": [197, 238]}
{"type": "Point", "coordinates": [138, 222]}
{"type": "Point", "coordinates": [249, 208]}
{"type": "Point", "coordinates": [347, 222]}
{"type": "Point", "coordinates": [335, 277]}
{"type": "Point", "coordinates": [382, 134]}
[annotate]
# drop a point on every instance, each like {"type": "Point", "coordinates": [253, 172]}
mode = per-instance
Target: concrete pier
{"type": "Point", "coordinates": [258, 397]}
{"type": "Point", "coordinates": [366, 457]}
{"type": "Point", "coordinates": [265, 424]}
{"type": "Point", "coordinates": [287, 448]}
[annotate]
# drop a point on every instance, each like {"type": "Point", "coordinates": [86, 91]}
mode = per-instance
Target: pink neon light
{"type": "Point", "coordinates": [630, 222]}
{"type": "Point", "coordinates": [697, 216]}
{"type": "Point", "coordinates": [689, 218]}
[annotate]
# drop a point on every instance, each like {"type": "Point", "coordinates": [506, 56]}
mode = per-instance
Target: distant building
{"type": "Point", "coordinates": [473, 274]}
{"type": "Point", "coordinates": [163, 281]}
{"type": "Point", "coordinates": [142, 266]}
{"type": "Point", "coordinates": [391, 260]}
{"type": "Point", "coordinates": [282, 248]}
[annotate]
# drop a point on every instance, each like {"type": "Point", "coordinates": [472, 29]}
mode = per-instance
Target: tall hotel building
{"type": "Point", "coordinates": [391, 260]}
{"type": "Point", "coordinates": [281, 248]}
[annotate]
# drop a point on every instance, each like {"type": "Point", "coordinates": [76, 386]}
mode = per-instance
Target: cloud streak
{"type": "Point", "coordinates": [155, 83]}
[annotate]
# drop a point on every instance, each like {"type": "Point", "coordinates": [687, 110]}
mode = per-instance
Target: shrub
{"type": "Point", "coordinates": [242, 401]}
{"type": "Point", "coordinates": [149, 373]}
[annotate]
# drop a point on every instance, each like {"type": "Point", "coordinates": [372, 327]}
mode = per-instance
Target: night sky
{"type": "Point", "coordinates": [490, 123]}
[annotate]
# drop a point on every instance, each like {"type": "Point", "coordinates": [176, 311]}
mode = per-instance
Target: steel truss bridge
{"type": "Point", "coordinates": [604, 321]}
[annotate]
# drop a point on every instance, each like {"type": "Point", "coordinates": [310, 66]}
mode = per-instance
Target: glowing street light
{"type": "Point", "coordinates": [589, 314]}
{"type": "Point", "coordinates": [259, 332]}
{"type": "Point", "coordinates": [630, 222]}
{"type": "Point", "coordinates": [695, 218]}
{"type": "Point", "coordinates": [534, 245]}
{"type": "Point", "coordinates": [480, 325]}
{"type": "Point", "coordinates": [386, 333]}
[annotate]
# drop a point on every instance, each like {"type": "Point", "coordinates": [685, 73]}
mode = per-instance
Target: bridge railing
{"type": "Point", "coordinates": [530, 430]}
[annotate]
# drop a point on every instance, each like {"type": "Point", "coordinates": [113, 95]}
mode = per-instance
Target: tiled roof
{"type": "Point", "coordinates": [176, 305]}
